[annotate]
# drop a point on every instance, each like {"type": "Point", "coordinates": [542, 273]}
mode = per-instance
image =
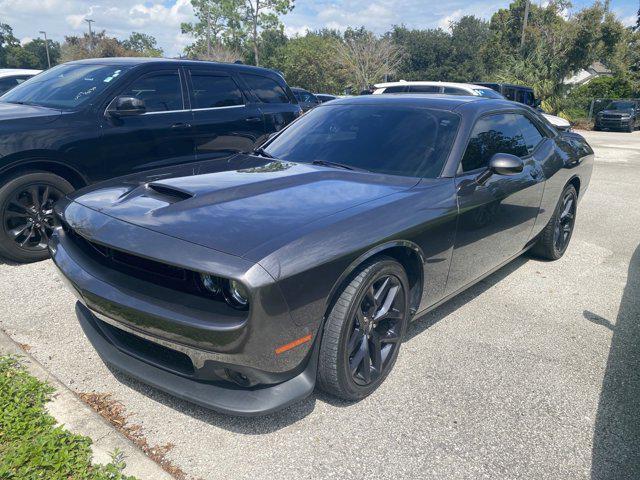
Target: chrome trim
{"type": "Point", "coordinates": [218, 108]}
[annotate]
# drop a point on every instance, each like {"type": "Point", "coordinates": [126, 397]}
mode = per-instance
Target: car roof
{"type": "Point", "coordinates": [7, 72]}
{"type": "Point", "coordinates": [427, 100]}
{"type": "Point", "coordinates": [467, 86]}
{"type": "Point", "coordinates": [172, 61]}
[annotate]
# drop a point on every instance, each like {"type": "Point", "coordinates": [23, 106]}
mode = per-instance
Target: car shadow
{"type": "Point", "coordinates": [294, 413]}
{"type": "Point", "coordinates": [616, 443]}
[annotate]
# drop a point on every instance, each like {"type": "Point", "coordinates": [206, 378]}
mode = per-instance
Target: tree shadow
{"type": "Point", "coordinates": [616, 444]}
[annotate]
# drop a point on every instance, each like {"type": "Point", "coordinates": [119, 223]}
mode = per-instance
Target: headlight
{"type": "Point", "coordinates": [236, 295]}
{"type": "Point", "coordinates": [232, 291]}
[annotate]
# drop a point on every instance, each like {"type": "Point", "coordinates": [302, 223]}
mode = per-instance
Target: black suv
{"type": "Point", "coordinates": [618, 115]}
{"type": "Point", "coordinates": [90, 120]}
{"type": "Point", "coordinates": [515, 93]}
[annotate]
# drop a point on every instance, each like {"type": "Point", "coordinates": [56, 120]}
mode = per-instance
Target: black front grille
{"type": "Point", "coordinates": [152, 271]}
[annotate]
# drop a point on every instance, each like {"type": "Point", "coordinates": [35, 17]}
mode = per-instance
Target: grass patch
{"type": "Point", "coordinates": [31, 445]}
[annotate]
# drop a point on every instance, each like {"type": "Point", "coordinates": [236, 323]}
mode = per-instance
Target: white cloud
{"type": "Point", "coordinates": [445, 22]}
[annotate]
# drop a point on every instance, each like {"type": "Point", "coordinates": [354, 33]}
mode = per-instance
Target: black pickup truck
{"type": "Point", "coordinates": [618, 115]}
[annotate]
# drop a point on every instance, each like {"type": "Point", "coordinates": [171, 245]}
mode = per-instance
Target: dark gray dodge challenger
{"type": "Point", "coordinates": [240, 283]}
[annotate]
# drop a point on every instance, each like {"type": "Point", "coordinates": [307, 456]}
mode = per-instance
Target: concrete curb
{"type": "Point", "coordinates": [81, 419]}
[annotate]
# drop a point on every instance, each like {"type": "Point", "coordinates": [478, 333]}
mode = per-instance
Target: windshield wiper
{"type": "Point", "coordinates": [260, 151]}
{"type": "Point", "coordinates": [327, 163]}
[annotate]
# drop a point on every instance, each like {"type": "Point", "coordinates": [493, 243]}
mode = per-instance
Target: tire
{"type": "Point", "coordinates": [350, 337]}
{"type": "Point", "coordinates": [25, 223]}
{"type": "Point", "coordinates": [561, 223]}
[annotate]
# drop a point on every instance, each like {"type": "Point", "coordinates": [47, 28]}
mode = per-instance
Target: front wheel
{"type": "Point", "coordinates": [555, 237]}
{"type": "Point", "coordinates": [26, 213]}
{"type": "Point", "coordinates": [364, 330]}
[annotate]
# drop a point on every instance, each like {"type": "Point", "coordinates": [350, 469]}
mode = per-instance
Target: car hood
{"type": "Point", "coordinates": [240, 206]}
{"type": "Point", "coordinates": [13, 112]}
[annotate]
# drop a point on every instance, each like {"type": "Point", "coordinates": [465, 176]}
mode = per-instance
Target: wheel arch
{"type": "Point", "coordinates": [46, 164]}
{"type": "Point", "coordinates": [407, 253]}
{"type": "Point", "coordinates": [575, 181]}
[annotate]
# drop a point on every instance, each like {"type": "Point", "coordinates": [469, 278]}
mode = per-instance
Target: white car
{"type": "Point", "coordinates": [452, 88]}
{"type": "Point", "coordinates": [11, 77]}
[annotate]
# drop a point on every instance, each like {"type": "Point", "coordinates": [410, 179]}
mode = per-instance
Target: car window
{"type": "Point", "coordinates": [7, 84]}
{"type": "Point", "coordinates": [424, 89]}
{"type": "Point", "coordinates": [510, 94]}
{"type": "Point", "coordinates": [392, 140]}
{"type": "Point", "coordinates": [66, 86]}
{"type": "Point", "coordinates": [455, 91]}
{"type": "Point", "coordinates": [493, 134]}
{"type": "Point", "coordinates": [161, 92]}
{"type": "Point", "coordinates": [211, 91]}
{"type": "Point", "coordinates": [530, 132]}
{"type": "Point", "coordinates": [303, 96]}
{"type": "Point", "coordinates": [396, 89]}
{"type": "Point", "coordinates": [267, 90]}
{"type": "Point", "coordinates": [487, 92]}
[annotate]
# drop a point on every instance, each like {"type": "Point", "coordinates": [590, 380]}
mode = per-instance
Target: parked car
{"type": "Point", "coordinates": [12, 77]}
{"type": "Point", "coordinates": [239, 284]}
{"type": "Point", "coordinates": [325, 97]}
{"type": "Point", "coordinates": [91, 120]}
{"type": "Point", "coordinates": [450, 88]}
{"type": "Point", "coordinates": [618, 115]}
{"type": "Point", "coordinates": [307, 100]}
{"type": "Point", "coordinates": [515, 93]}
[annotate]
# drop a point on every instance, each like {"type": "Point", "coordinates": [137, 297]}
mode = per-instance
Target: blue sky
{"type": "Point", "coordinates": [162, 18]}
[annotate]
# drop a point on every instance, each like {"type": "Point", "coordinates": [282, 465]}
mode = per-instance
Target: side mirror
{"type": "Point", "coordinates": [501, 164]}
{"type": "Point", "coordinates": [126, 106]}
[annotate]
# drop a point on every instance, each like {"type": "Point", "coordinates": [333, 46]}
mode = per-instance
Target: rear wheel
{"type": "Point", "coordinates": [555, 237]}
{"type": "Point", "coordinates": [26, 213]}
{"type": "Point", "coordinates": [364, 330]}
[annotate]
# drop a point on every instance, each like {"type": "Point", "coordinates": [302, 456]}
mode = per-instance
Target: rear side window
{"type": "Point", "coordinates": [211, 91]}
{"type": "Point", "coordinates": [7, 84]}
{"type": "Point", "coordinates": [530, 133]}
{"type": "Point", "coordinates": [493, 134]}
{"type": "Point", "coordinates": [267, 90]}
{"type": "Point", "coordinates": [424, 89]}
{"type": "Point", "coordinates": [161, 92]}
{"type": "Point", "coordinates": [455, 91]}
{"type": "Point", "coordinates": [396, 89]}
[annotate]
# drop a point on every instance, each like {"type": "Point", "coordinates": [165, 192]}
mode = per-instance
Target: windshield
{"type": "Point", "coordinates": [621, 105]}
{"type": "Point", "coordinates": [487, 92]}
{"type": "Point", "coordinates": [393, 140]}
{"type": "Point", "coordinates": [65, 86]}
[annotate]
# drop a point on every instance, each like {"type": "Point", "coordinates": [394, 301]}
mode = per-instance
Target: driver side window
{"type": "Point", "coordinates": [161, 92]}
{"type": "Point", "coordinates": [493, 134]}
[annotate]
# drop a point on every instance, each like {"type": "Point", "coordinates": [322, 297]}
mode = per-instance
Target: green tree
{"type": "Point", "coordinates": [7, 42]}
{"type": "Point", "coordinates": [144, 44]}
{"type": "Point", "coordinates": [211, 28]}
{"type": "Point", "coordinates": [100, 46]}
{"type": "Point", "coordinates": [306, 63]}
{"type": "Point", "coordinates": [251, 17]}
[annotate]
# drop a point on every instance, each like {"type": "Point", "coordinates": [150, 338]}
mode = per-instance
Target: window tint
{"type": "Point", "coordinates": [7, 84]}
{"type": "Point", "coordinates": [267, 90]}
{"type": "Point", "coordinates": [491, 135]}
{"type": "Point", "coordinates": [396, 89]}
{"type": "Point", "coordinates": [455, 91]}
{"type": "Point", "coordinates": [303, 96]}
{"type": "Point", "coordinates": [424, 89]}
{"type": "Point", "coordinates": [210, 91]}
{"type": "Point", "coordinates": [161, 92]}
{"type": "Point", "coordinates": [392, 140]}
{"type": "Point", "coordinates": [530, 133]}
{"type": "Point", "coordinates": [510, 94]}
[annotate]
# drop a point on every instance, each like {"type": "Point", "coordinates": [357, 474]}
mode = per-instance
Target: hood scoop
{"type": "Point", "coordinates": [168, 193]}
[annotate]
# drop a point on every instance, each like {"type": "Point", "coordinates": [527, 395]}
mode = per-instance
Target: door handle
{"type": "Point", "coordinates": [181, 126]}
{"type": "Point", "coordinates": [253, 119]}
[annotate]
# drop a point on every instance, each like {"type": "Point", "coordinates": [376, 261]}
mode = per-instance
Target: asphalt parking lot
{"type": "Point", "coordinates": [532, 374]}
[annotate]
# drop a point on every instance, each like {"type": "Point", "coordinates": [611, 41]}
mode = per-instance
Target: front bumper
{"type": "Point", "coordinates": [223, 398]}
{"type": "Point", "coordinates": [190, 346]}
{"type": "Point", "coordinates": [613, 124]}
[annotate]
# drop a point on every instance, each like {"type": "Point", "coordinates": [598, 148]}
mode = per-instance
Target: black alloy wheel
{"type": "Point", "coordinates": [26, 212]}
{"type": "Point", "coordinates": [376, 329]}
{"type": "Point", "coordinates": [364, 330]}
{"type": "Point", "coordinates": [554, 239]}
{"type": "Point", "coordinates": [564, 222]}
